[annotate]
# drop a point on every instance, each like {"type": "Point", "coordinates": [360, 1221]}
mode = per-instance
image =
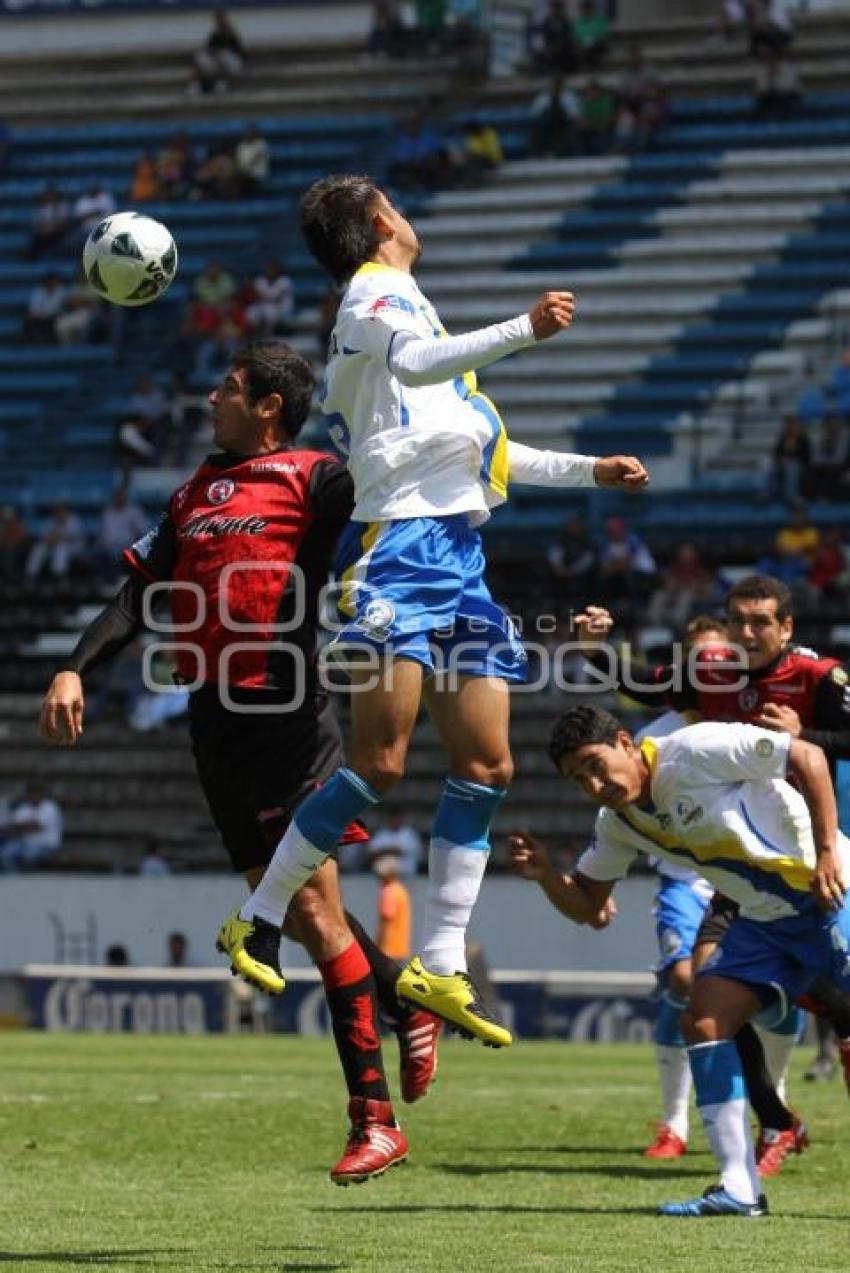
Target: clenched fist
{"type": "Point", "coordinates": [551, 314]}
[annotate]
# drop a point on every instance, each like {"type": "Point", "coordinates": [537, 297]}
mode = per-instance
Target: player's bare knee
{"type": "Point", "coordinates": [487, 773]}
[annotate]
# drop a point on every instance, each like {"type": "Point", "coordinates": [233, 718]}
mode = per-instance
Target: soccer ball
{"type": "Point", "coordinates": [129, 259]}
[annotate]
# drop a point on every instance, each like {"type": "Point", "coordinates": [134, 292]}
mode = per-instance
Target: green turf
{"type": "Point", "coordinates": [212, 1153]}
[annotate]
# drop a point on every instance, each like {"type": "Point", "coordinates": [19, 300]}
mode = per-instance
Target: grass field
{"type": "Point", "coordinates": [211, 1153]}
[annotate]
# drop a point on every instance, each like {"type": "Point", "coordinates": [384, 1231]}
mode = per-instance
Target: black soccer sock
{"type": "Point", "coordinates": [384, 970]}
{"type": "Point", "coordinates": [764, 1098]}
{"type": "Point", "coordinates": [353, 1004]}
{"type": "Point", "coordinates": [833, 1003]}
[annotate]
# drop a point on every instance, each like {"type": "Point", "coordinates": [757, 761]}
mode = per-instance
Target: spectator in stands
{"type": "Point", "coordinates": [572, 561]}
{"type": "Point", "coordinates": [388, 35]}
{"type": "Point", "coordinates": [14, 539]}
{"type": "Point", "coordinates": [551, 41]}
{"type": "Point", "coordinates": [50, 223]}
{"type": "Point", "coordinates": [253, 160]}
{"type": "Point", "coordinates": [830, 457]}
{"type": "Point", "coordinates": [35, 830]}
{"type": "Point", "coordinates": [155, 862]}
{"type": "Point", "coordinates": [687, 584]}
{"type": "Point", "coordinates": [838, 385]}
{"type": "Point", "coordinates": [81, 318]}
{"type": "Point", "coordinates": [217, 176]}
{"type": "Point", "coordinates": [175, 167]}
{"type": "Point", "coordinates": [178, 951]}
{"type": "Point", "coordinates": [398, 836]}
{"type": "Point", "coordinates": [799, 538]}
{"type": "Point", "coordinates": [597, 116]}
{"type": "Point", "coordinates": [273, 301]}
{"type": "Point", "coordinates": [641, 104]}
{"type": "Point", "coordinates": [62, 543]}
{"type": "Point", "coordinates": [626, 566]}
{"type": "Point", "coordinates": [121, 523]}
{"type": "Point", "coordinates": [144, 185]}
{"type": "Point", "coordinates": [771, 28]}
{"type": "Point", "coordinates": [93, 205]}
{"type": "Point", "coordinates": [417, 160]}
{"type": "Point", "coordinates": [117, 956]}
{"type": "Point", "coordinates": [554, 120]}
{"type": "Point", "coordinates": [482, 150]}
{"type": "Point", "coordinates": [45, 304]}
{"type": "Point", "coordinates": [395, 927]}
{"type": "Point", "coordinates": [220, 59]}
{"type": "Point", "coordinates": [464, 27]}
{"type": "Point", "coordinates": [792, 457]}
{"type": "Point", "coordinates": [187, 410]}
{"type": "Point", "coordinates": [140, 431]}
{"type": "Point", "coordinates": [431, 24]}
{"type": "Point", "coordinates": [735, 16]}
{"type": "Point", "coordinates": [778, 90]}
{"type": "Point", "coordinates": [214, 288]}
{"type": "Point", "coordinates": [828, 573]}
{"type": "Point", "coordinates": [591, 30]}
{"type": "Point", "coordinates": [328, 310]}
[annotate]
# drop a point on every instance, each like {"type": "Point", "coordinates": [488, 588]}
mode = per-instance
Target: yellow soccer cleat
{"type": "Point", "coordinates": [454, 999]}
{"type": "Point", "coordinates": [253, 948]}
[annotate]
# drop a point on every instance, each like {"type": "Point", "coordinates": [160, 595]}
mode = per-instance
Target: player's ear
{"type": "Point", "coordinates": [381, 223]}
{"type": "Point", "coordinates": [270, 406]}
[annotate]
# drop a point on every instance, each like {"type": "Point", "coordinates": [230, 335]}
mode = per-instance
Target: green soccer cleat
{"type": "Point", "coordinates": [454, 999]}
{"type": "Point", "coordinates": [253, 948]}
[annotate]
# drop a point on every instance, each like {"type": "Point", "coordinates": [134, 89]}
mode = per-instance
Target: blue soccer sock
{"type": "Point", "coordinates": [310, 838]}
{"type": "Point", "coordinates": [722, 1102]}
{"type": "Point", "coordinates": [457, 858]}
{"type": "Point", "coordinates": [674, 1070]}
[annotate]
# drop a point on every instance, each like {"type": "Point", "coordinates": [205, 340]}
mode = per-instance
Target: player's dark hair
{"type": "Point", "coordinates": [581, 726]}
{"type": "Point", "coordinates": [336, 221]}
{"type": "Point", "coordinates": [762, 588]}
{"type": "Point", "coordinates": [270, 366]}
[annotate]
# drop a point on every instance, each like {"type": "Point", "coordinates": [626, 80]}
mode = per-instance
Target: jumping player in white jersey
{"type": "Point", "coordinates": [430, 457]}
{"type": "Point", "coordinates": [715, 797]}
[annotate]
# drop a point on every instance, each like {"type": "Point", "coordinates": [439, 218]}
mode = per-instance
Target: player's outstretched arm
{"type": "Point", "coordinates": [581, 899]}
{"type": "Point", "coordinates": [531, 466]}
{"type": "Point", "coordinates": [63, 707]}
{"type": "Point", "coordinates": [418, 360]}
{"type": "Point", "coordinates": [808, 766]}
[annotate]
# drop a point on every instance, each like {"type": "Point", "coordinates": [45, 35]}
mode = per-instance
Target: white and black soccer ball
{"type": "Point", "coordinates": [130, 259]}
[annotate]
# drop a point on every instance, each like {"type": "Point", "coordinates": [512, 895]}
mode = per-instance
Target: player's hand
{"type": "Point", "coordinates": [620, 472]}
{"type": "Point", "coordinates": [593, 624]}
{"type": "Point", "coordinates": [606, 914]}
{"type": "Point", "coordinates": [528, 856]}
{"type": "Point", "coordinates": [551, 314]}
{"type": "Point", "coordinates": [61, 719]}
{"type": "Point", "coordinates": [828, 884]}
{"type": "Point", "coordinates": [784, 719]}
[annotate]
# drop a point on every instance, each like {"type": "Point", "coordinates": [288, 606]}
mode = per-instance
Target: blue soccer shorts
{"type": "Point", "coordinates": [679, 910]}
{"type": "Point", "coordinates": [786, 955]}
{"type": "Point", "coordinates": [415, 589]}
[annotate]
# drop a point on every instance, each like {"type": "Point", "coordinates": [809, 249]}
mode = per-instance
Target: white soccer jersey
{"type": "Point", "coordinates": [424, 443]}
{"type": "Point", "coordinates": [720, 802]}
{"type": "Point", "coordinates": [669, 723]}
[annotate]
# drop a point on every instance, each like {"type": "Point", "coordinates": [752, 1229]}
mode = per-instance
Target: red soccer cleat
{"type": "Point", "coordinates": [667, 1144]}
{"type": "Point", "coordinates": [417, 1032]}
{"type": "Point", "coordinates": [844, 1057]}
{"type": "Point", "coordinates": [773, 1147]}
{"type": "Point", "coordinates": [375, 1142]}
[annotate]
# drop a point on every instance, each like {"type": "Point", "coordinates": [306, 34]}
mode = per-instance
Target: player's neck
{"type": "Point", "coordinates": [394, 256]}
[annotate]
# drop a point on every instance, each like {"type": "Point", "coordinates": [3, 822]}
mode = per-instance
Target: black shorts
{"type": "Point", "coordinates": [719, 917]}
{"type": "Point", "coordinates": [255, 769]}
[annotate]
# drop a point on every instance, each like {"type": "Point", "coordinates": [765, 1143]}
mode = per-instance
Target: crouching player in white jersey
{"type": "Point", "coordinates": [429, 457]}
{"type": "Point", "coordinates": [715, 797]}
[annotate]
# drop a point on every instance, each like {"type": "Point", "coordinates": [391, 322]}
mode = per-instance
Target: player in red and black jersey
{"type": "Point", "coordinates": [764, 680]}
{"type": "Point", "coordinates": [243, 552]}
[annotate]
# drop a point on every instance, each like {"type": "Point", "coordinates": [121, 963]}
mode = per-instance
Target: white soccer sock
{"type": "Point", "coordinates": [454, 881]}
{"type": "Point", "coordinates": [778, 1049]}
{"type": "Point", "coordinates": [721, 1098]}
{"type": "Point", "coordinates": [674, 1071]}
{"type": "Point", "coordinates": [295, 859]}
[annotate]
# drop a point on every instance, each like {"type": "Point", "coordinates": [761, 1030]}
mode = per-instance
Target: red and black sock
{"type": "Point", "coordinates": [353, 1004]}
{"type": "Point", "coordinates": [384, 970]}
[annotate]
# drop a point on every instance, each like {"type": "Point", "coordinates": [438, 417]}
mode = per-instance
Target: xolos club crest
{"type": "Point", "coordinates": [220, 492]}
